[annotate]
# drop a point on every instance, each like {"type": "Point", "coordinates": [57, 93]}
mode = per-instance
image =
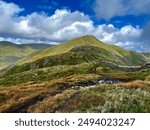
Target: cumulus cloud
{"type": "Point", "coordinates": [65, 25]}
{"type": "Point", "coordinates": [144, 43]}
{"type": "Point", "coordinates": [107, 9]}
{"type": "Point", "coordinates": [126, 37]}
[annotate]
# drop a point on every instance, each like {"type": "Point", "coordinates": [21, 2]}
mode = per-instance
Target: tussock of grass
{"type": "Point", "coordinates": [84, 102]}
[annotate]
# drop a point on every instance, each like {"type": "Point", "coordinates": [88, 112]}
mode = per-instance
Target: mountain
{"type": "Point", "coordinates": [86, 49]}
{"type": "Point", "coordinates": [10, 53]}
{"type": "Point", "coordinates": [91, 46]}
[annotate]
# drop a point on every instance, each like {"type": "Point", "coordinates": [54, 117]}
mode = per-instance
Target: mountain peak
{"type": "Point", "coordinates": [84, 40]}
{"type": "Point", "coordinates": [88, 36]}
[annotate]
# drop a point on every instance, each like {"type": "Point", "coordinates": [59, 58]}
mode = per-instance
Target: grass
{"type": "Point", "coordinates": [57, 95]}
{"type": "Point", "coordinates": [148, 78]}
{"type": "Point", "coordinates": [45, 74]}
{"type": "Point", "coordinates": [64, 71]}
{"type": "Point", "coordinates": [13, 98]}
{"type": "Point", "coordinates": [112, 98]}
{"type": "Point", "coordinates": [147, 55]}
{"type": "Point", "coordinates": [53, 103]}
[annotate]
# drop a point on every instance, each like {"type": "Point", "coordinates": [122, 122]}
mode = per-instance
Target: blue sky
{"type": "Point", "coordinates": [121, 22]}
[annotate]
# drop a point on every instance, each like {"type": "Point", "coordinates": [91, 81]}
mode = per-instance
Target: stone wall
{"type": "Point", "coordinates": [125, 68]}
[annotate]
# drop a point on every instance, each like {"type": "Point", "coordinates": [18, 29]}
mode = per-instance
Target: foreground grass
{"type": "Point", "coordinates": [51, 90]}
{"type": "Point", "coordinates": [58, 96]}
{"type": "Point", "coordinates": [126, 97]}
{"type": "Point", "coordinates": [17, 98]}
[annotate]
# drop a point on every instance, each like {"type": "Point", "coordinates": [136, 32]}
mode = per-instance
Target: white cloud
{"type": "Point", "coordinates": [126, 37]}
{"type": "Point", "coordinates": [9, 9]}
{"type": "Point", "coordinates": [107, 9]}
{"type": "Point", "coordinates": [61, 26]}
{"type": "Point", "coordinates": [65, 25]}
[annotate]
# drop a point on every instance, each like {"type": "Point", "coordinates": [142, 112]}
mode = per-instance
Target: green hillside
{"type": "Point", "coordinates": [11, 53]}
{"type": "Point", "coordinates": [90, 45]}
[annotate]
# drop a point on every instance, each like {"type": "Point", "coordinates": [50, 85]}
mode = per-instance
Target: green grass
{"type": "Point", "coordinates": [44, 74]}
{"type": "Point", "coordinates": [63, 71]}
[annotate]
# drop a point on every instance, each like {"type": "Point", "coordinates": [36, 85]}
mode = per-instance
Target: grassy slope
{"type": "Point", "coordinates": [116, 53]}
{"type": "Point", "coordinates": [10, 53]}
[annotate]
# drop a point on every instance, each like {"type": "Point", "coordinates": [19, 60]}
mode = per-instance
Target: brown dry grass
{"type": "Point", "coordinates": [52, 103]}
{"type": "Point", "coordinates": [56, 99]}
{"type": "Point", "coordinates": [135, 84]}
{"type": "Point", "coordinates": [83, 102]}
{"type": "Point", "coordinates": [15, 96]}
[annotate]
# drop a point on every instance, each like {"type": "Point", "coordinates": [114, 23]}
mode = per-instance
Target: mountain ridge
{"type": "Point", "coordinates": [117, 52]}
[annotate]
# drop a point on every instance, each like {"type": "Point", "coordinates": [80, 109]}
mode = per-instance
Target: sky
{"type": "Point", "coordinates": [125, 23]}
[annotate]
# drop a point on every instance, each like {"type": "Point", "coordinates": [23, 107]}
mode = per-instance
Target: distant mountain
{"type": "Point", "coordinates": [10, 53]}
{"type": "Point", "coordinates": [86, 49]}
